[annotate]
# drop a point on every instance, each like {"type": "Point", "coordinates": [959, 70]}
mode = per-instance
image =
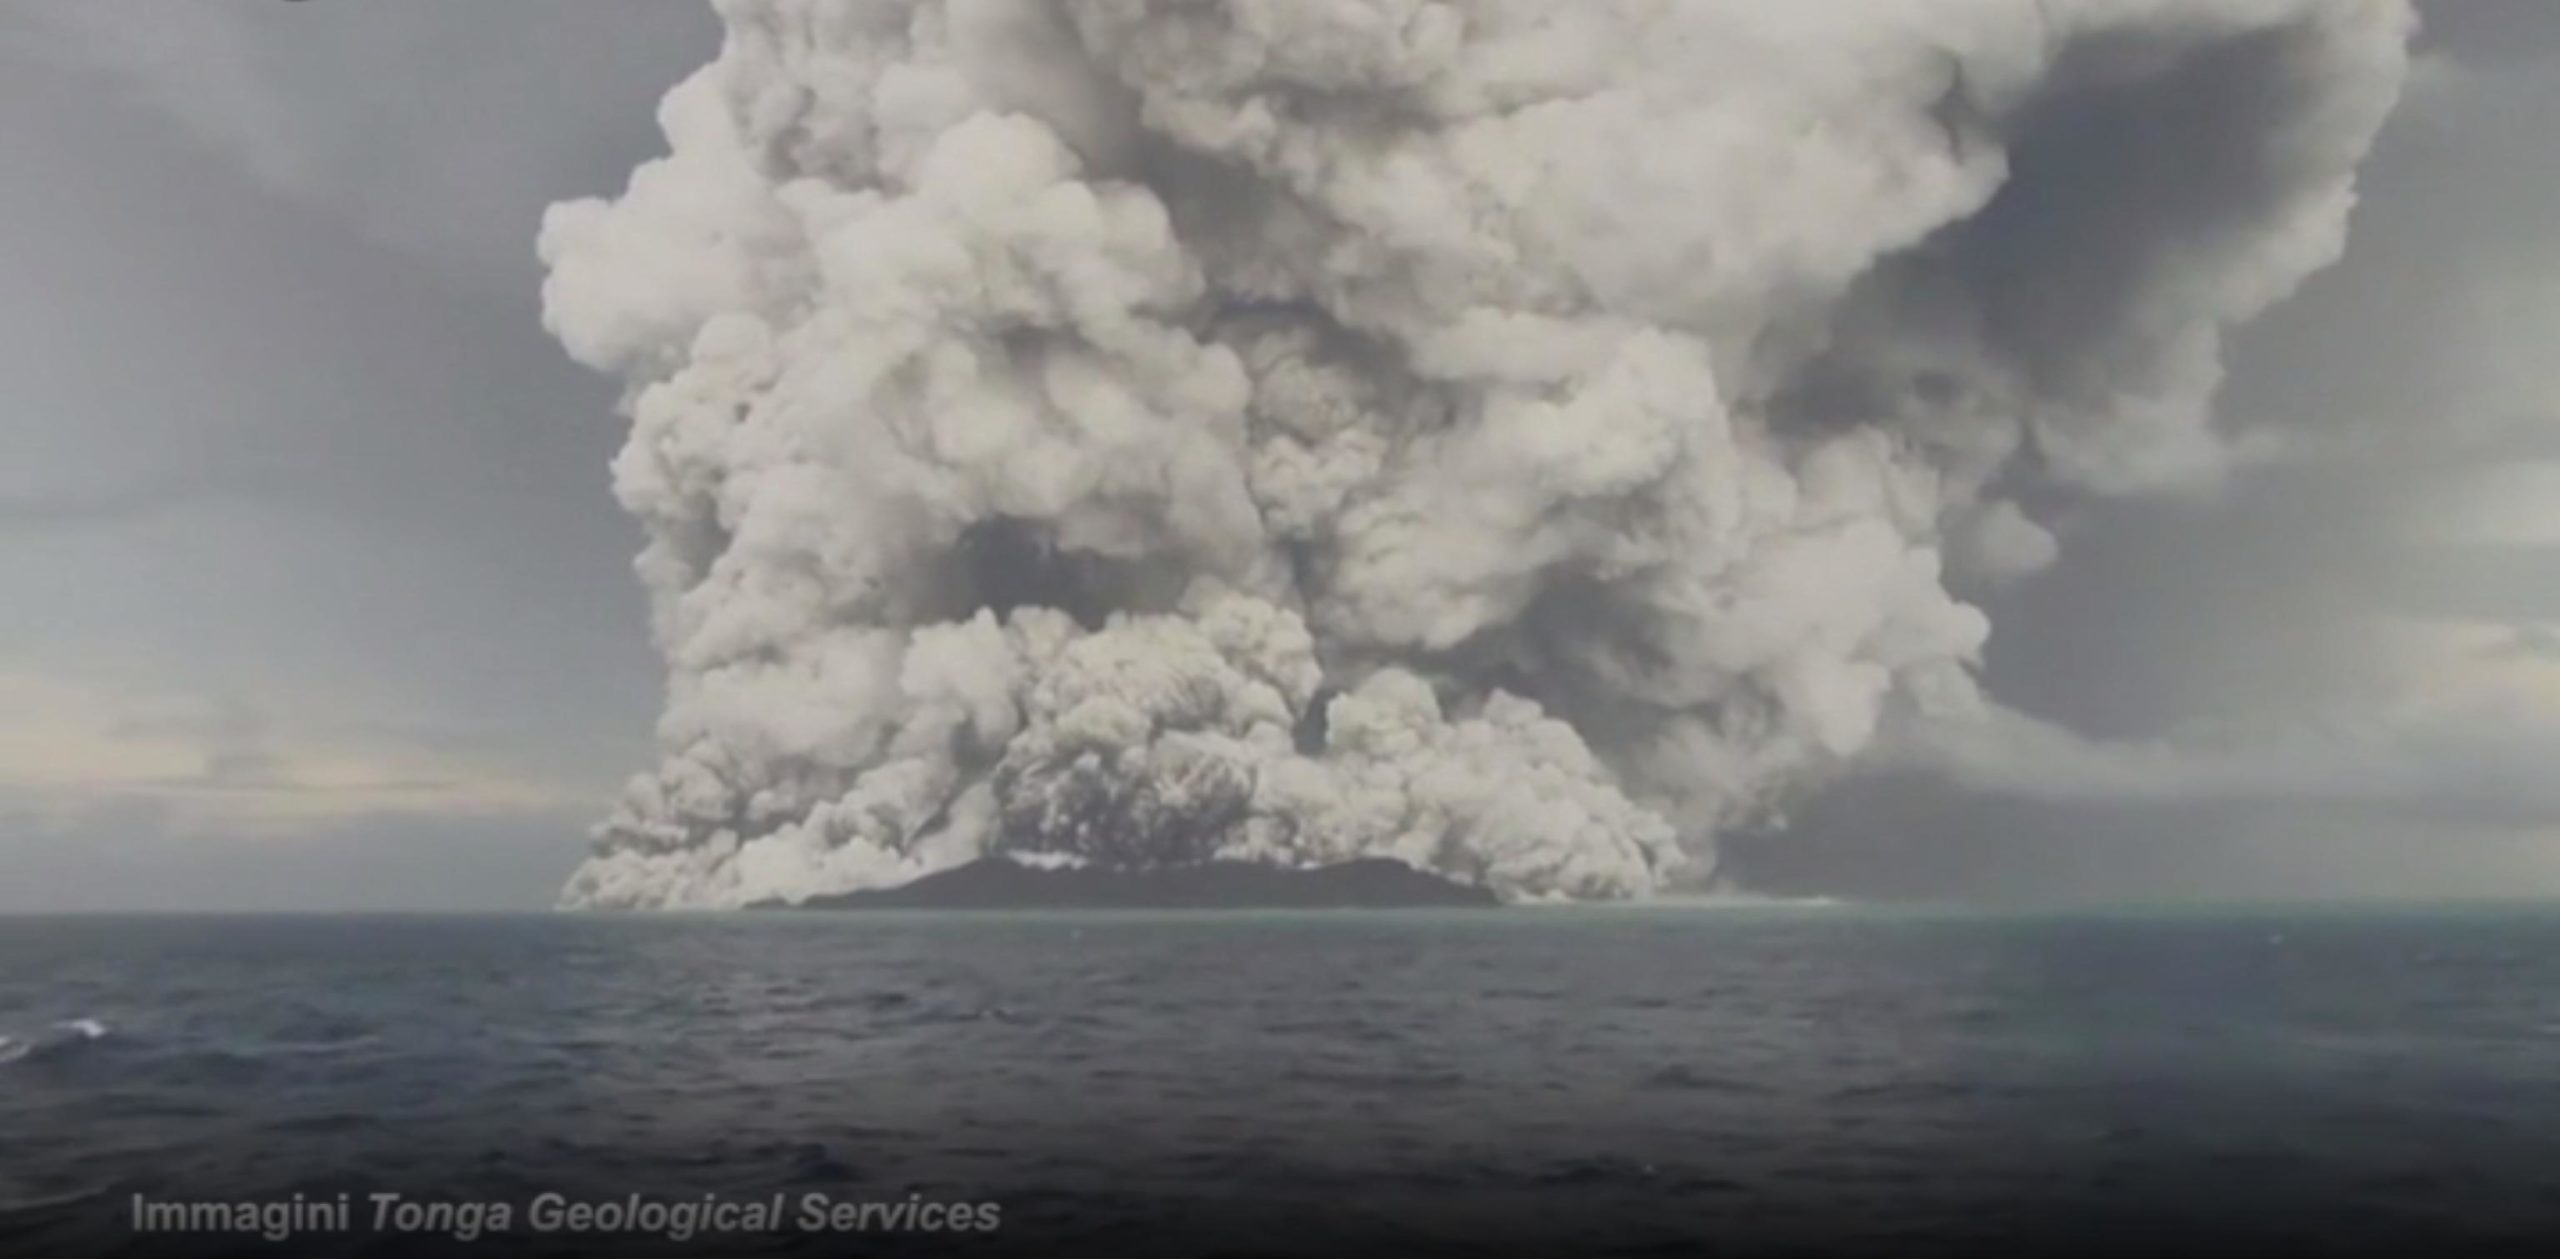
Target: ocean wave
{"type": "Point", "coordinates": [314, 1048]}
{"type": "Point", "coordinates": [60, 1038]}
{"type": "Point", "coordinates": [30, 1203]}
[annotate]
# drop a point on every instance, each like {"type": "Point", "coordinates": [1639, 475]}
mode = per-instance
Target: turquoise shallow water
{"type": "Point", "coordinates": [1823, 1080]}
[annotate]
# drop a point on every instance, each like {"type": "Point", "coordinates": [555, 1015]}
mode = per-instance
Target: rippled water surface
{"type": "Point", "coordinates": [1549, 1081]}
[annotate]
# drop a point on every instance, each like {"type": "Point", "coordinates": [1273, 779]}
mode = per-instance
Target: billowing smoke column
{"type": "Point", "coordinates": [1523, 438]}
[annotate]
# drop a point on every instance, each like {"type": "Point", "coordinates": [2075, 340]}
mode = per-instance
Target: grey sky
{"type": "Point", "coordinates": [284, 436]}
{"type": "Point", "coordinates": [321, 602]}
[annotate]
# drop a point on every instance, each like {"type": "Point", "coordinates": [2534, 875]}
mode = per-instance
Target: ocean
{"type": "Point", "coordinates": [1747, 1079]}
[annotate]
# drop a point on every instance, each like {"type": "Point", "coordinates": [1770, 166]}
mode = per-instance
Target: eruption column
{"type": "Point", "coordinates": [1520, 438]}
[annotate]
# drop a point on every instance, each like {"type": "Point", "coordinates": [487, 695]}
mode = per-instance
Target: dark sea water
{"type": "Point", "coordinates": [1661, 1081]}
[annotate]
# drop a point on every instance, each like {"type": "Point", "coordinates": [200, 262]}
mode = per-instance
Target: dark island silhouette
{"type": "Point", "coordinates": [1001, 883]}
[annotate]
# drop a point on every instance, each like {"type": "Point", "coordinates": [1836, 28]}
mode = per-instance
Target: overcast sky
{"type": "Point", "coordinates": [319, 599]}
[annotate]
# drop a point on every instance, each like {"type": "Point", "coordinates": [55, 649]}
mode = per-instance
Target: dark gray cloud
{"type": "Point", "coordinates": [2414, 364]}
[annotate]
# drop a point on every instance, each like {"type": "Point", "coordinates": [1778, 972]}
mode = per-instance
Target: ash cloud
{"type": "Point", "coordinates": [1528, 440]}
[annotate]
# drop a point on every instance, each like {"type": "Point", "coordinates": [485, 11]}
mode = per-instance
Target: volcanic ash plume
{"type": "Point", "coordinates": [1522, 438]}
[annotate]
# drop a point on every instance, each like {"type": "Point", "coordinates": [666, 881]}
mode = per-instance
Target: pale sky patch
{"type": "Point", "coordinates": [229, 762]}
{"type": "Point", "coordinates": [2516, 504]}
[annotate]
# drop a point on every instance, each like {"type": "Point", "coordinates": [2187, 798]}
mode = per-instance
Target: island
{"type": "Point", "coordinates": [1002, 883]}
